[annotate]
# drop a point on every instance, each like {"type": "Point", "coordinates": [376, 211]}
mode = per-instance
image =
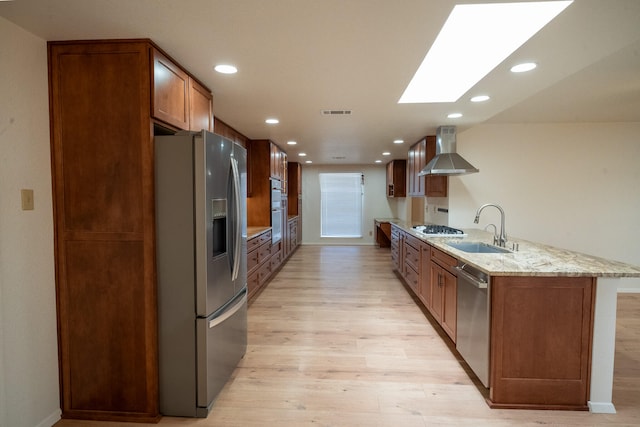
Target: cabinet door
{"type": "Point", "coordinates": [170, 92]}
{"type": "Point", "coordinates": [275, 161]}
{"type": "Point", "coordinates": [200, 107]}
{"type": "Point", "coordinates": [437, 290]}
{"type": "Point", "coordinates": [411, 172]}
{"type": "Point", "coordinates": [425, 276]}
{"type": "Point", "coordinates": [415, 163]}
{"type": "Point", "coordinates": [449, 304]}
{"type": "Point", "coordinates": [436, 186]}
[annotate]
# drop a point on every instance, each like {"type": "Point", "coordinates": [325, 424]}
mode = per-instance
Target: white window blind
{"type": "Point", "coordinates": [341, 204]}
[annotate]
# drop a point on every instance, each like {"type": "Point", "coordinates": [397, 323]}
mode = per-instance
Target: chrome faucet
{"type": "Point", "coordinates": [500, 240]}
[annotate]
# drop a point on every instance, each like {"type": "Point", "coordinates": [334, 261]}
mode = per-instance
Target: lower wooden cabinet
{"type": "Point", "coordinates": [541, 341]}
{"type": "Point", "coordinates": [444, 291]}
{"type": "Point", "coordinates": [265, 258]}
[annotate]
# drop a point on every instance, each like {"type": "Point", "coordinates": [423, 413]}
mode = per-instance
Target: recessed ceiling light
{"type": "Point", "coordinates": [480, 98]}
{"type": "Point", "coordinates": [378, 161]}
{"type": "Point", "coordinates": [524, 67]}
{"type": "Point", "coordinates": [386, 153]}
{"type": "Point", "coordinates": [454, 115]}
{"type": "Point", "coordinates": [308, 161]}
{"type": "Point", "coordinates": [272, 121]}
{"type": "Point", "coordinates": [226, 69]}
{"type": "Point", "coordinates": [398, 141]}
{"type": "Point", "coordinates": [291, 143]}
{"type": "Point", "coordinates": [457, 61]}
{"type": "Point", "coordinates": [302, 154]}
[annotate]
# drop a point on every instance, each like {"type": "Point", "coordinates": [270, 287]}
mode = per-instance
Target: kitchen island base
{"type": "Point", "coordinates": [541, 342]}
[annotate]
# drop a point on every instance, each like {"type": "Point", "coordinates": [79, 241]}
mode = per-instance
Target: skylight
{"type": "Point", "coordinates": [473, 41]}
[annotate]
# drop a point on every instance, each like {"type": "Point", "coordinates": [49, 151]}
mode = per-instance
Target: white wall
{"type": "Point", "coordinates": [28, 345]}
{"type": "Point", "coordinates": [574, 186]}
{"type": "Point", "coordinates": [376, 205]}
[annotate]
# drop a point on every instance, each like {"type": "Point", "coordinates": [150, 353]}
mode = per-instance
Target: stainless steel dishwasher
{"type": "Point", "coordinates": [473, 319]}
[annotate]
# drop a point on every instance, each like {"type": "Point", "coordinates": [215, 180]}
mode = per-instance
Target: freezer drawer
{"type": "Point", "coordinates": [221, 343]}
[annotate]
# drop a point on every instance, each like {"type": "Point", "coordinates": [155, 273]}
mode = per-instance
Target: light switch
{"type": "Point", "coordinates": [27, 199]}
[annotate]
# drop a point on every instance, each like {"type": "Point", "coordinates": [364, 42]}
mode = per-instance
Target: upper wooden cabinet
{"type": "Point", "coordinates": [178, 99]}
{"type": "Point", "coordinates": [294, 188]}
{"type": "Point", "coordinates": [415, 162]}
{"type": "Point", "coordinates": [435, 185]}
{"type": "Point", "coordinates": [419, 155]}
{"type": "Point", "coordinates": [278, 162]}
{"type": "Point", "coordinates": [397, 178]}
{"type": "Point", "coordinates": [200, 107]}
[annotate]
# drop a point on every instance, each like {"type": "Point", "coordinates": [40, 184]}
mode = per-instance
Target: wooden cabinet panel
{"type": "Point", "coordinates": [99, 174]}
{"type": "Point", "coordinates": [200, 107]}
{"type": "Point", "coordinates": [397, 242]}
{"type": "Point", "coordinates": [415, 163]}
{"type": "Point", "coordinates": [105, 348]}
{"type": "Point", "coordinates": [425, 277]}
{"type": "Point", "coordinates": [541, 341]}
{"type": "Point", "coordinates": [102, 171]}
{"type": "Point", "coordinates": [170, 92]}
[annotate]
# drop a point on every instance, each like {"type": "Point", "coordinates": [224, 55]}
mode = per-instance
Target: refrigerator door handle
{"type": "Point", "coordinates": [238, 231]}
{"type": "Point", "coordinates": [230, 312]}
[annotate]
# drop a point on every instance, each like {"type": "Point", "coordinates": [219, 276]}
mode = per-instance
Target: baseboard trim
{"type": "Point", "coordinates": [53, 418]}
{"type": "Point", "coordinates": [601, 407]}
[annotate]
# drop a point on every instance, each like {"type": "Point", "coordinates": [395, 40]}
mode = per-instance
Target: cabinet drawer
{"type": "Point", "coordinates": [412, 278]}
{"type": "Point", "coordinates": [264, 272]}
{"type": "Point", "coordinates": [253, 243]}
{"type": "Point", "coordinates": [264, 252]}
{"type": "Point", "coordinates": [445, 260]}
{"type": "Point", "coordinates": [253, 281]}
{"type": "Point", "coordinates": [412, 256]}
{"type": "Point", "coordinates": [252, 259]}
{"type": "Point", "coordinates": [276, 259]}
{"type": "Point", "coordinates": [265, 237]}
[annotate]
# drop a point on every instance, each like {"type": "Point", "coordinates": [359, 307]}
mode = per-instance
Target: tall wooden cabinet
{"type": "Point", "coordinates": [106, 98]}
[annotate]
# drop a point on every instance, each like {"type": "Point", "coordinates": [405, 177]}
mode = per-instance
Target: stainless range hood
{"type": "Point", "coordinates": [447, 161]}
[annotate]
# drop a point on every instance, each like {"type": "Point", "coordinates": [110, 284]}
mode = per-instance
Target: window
{"type": "Point", "coordinates": [341, 204]}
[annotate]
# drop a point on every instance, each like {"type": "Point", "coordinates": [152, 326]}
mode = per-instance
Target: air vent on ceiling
{"type": "Point", "coordinates": [336, 112]}
{"type": "Point", "coordinates": [339, 157]}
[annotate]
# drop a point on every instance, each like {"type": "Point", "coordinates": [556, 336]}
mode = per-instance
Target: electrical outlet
{"type": "Point", "coordinates": [27, 199]}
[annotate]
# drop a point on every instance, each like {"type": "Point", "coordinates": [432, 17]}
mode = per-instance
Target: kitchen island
{"type": "Point", "coordinates": [551, 315]}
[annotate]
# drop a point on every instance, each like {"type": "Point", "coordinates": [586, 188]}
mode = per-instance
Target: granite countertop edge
{"type": "Point", "coordinates": [531, 258]}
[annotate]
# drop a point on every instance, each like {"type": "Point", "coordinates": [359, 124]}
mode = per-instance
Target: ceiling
{"type": "Point", "coordinates": [299, 57]}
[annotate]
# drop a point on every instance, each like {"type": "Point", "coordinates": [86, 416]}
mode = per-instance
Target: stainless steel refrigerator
{"type": "Point", "coordinates": [201, 251]}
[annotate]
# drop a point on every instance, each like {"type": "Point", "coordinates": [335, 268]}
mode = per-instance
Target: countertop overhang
{"type": "Point", "coordinates": [531, 259]}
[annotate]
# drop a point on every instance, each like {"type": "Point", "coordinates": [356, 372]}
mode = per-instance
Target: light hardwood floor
{"type": "Point", "coordinates": [337, 340]}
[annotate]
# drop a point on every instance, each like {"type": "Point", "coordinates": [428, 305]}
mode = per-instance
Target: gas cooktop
{"type": "Point", "coordinates": [438, 230]}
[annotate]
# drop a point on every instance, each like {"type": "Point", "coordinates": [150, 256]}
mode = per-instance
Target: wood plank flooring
{"type": "Point", "coordinates": [337, 340]}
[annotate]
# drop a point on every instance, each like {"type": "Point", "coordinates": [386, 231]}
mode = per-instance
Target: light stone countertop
{"type": "Point", "coordinates": [532, 259]}
{"type": "Point", "coordinates": [253, 231]}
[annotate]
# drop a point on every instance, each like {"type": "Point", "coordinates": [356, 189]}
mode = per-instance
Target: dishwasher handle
{"type": "Point", "coordinates": [478, 283]}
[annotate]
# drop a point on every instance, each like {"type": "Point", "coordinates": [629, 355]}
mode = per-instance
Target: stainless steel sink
{"type": "Point", "coordinates": [479, 248]}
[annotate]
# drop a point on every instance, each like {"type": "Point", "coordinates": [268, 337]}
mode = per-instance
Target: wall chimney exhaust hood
{"type": "Point", "coordinates": [447, 161]}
